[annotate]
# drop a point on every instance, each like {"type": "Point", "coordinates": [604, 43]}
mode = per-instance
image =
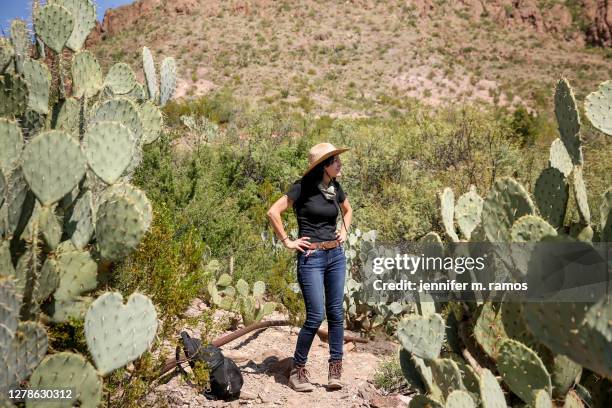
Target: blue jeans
{"type": "Point", "coordinates": [321, 272]}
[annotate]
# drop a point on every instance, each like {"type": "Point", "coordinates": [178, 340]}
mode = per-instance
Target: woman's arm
{"type": "Point", "coordinates": [347, 215]}
{"type": "Point", "coordinates": [274, 215]}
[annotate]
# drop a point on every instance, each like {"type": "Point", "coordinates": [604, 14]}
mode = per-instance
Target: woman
{"type": "Point", "coordinates": [321, 265]}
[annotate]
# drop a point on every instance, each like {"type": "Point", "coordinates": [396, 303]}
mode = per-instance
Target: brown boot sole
{"type": "Point", "coordinates": [334, 385]}
{"type": "Point", "coordinates": [307, 389]}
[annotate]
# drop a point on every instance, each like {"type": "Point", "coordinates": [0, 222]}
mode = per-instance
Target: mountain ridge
{"type": "Point", "coordinates": [344, 58]}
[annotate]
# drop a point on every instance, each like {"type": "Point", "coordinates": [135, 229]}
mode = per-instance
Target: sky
{"type": "Point", "coordinates": [11, 9]}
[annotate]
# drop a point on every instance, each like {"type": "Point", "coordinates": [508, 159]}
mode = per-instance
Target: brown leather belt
{"type": "Point", "coordinates": [324, 245]}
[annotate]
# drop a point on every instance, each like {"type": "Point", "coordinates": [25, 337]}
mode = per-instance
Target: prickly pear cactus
{"type": "Point", "coordinates": [66, 204]}
{"type": "Point", "coordinates": [538, 349]}
{"type": "Point", "coordinates": [422, 335]}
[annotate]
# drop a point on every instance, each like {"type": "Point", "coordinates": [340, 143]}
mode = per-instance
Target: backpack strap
{"type": "Point", "coordinates": [340, 211]}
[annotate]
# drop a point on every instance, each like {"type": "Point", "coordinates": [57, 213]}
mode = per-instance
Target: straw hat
{"type": "Point", "coordinates": [320, 152]}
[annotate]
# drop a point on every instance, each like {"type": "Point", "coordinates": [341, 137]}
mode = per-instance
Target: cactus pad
{"type": "Point", "coordinates": [422, 335]}
{"type": "Point", "coordinates": [542, 399]}
{"type": "Point", "coordinates": [27, 350]}
{"type": "Point", "coordinates": [54, 25]}
{"type": "Point", "coordinates": [84, 13]}
{"type": "Point", "coordinates": [411, 374]}
{"type": "Point", "coordinates": [119, 227]}
{"type": "Point", "coordinates": [564, 374]}
{"type": "Point", "coordinates": [68, 117]}
{"type": "Point", "coordinates": [447, 206]}
{"type": "Point", "coordinates": [38, 77]}
{"type": "Point", "coordinates": [605, 212]}
{"type": "Point", "coordinates": [581, 195]}
{"type": "Point", "coordinates": [152, 121]}
{"type": "Point", "coordinates": [447, 376]}
{"type": "Point", "coordinates": [143, 205]}
{"type": "Point", "coordinates": [422, 401]}
{"type": "Point", "coordinates": [259, 288]}
{"type": "Point", "coordinates": [17, 198]}
{"type": "Point", "coordinates": [62, 311]}
{"type": "Point", "coordinates": [137, 93]}
{"type": "Point", "coordinates": [531, 228]}
{"type": "Point", "coordinates": [20, 38]}
{"type": "Point", "coordinates": [80, 226]}
{"type": "Point", "coordinates": [6, 56]}
{"type": "Point", "coordinates": [522, 370]}
{"type": "Point", "coordinates": [53, 165]}
{"type": "Point", "coordinates": [150, 73]}
{"type": "Point", "coordinates": [9, 313]}
{"type": "Point", "coordinates": [67, 370]}
{"type": "Point", "coordinates": [468, 375]}
{"type": "Point", "coordinates": [559, 158]}
{"type": "Point", "coordinates": [109, 147]}
{"type": "Point", "coordinates": [77, 273]}
{"type": "Point", "coordinates": [568, 120]}
{"type": "Point", "coordinates": [424, 369]}
{"type": "Point", "coordinates": [13, 95]}
{"type": "Point", "coordinates": [598, 105]}
{"type": "Point", "coordinates": [49, 280]}
{"type": "Point", "coordinates": [243, 287]}
{"type": "Point", "coordinates": [491, 393]}
{"type": "Point", "coordinates": [167, 79]}
{"type": "Point", "coordinates": [459, 399]}
{"type": "Point", "coordinates": [11, 144]}
{"type": "Point", "coordinates": [468, 211]}
{"type": "Point", "coordinates": [489, 330]}
{"type": "Point", "coordinates": [551, 194]}
{"type": "Point", "coordinates": [116, 333]}
{"type": "Point", "coordinates": [50, 227]}
{"type": "Point", "coordinates": [86, 74]}
{"type": "Point", "coordinates": [120, 79]}
{"type": "Point", "coordinates": [506, 202]}
{"type": "Point", "coordinates": [119, 110]}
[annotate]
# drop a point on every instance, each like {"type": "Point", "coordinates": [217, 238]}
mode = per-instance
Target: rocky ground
{"type": "Point", "coordinates": [264, 358]}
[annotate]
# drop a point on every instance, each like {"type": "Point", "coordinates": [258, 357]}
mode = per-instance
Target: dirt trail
{"type": "Point", "coordinates": [264, 358]}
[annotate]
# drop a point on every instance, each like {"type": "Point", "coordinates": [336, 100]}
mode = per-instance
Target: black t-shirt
{"type": "Point", "coordinates": [316, 215]}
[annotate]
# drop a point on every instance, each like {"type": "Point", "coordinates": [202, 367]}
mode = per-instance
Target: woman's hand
{"type": "Point", "coordinates": [341, 236]}
{"type": "Point", "coordinates": [300, 244]}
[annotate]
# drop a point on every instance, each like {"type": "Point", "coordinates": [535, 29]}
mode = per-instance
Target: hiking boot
{"type": "Point", "coordinates": [335, 373]}
{"type": "Point", "coordinates": [298, 378]}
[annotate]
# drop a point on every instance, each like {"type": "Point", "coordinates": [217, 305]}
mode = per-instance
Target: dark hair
{"type": "Point", "coordinates": [314, 176]}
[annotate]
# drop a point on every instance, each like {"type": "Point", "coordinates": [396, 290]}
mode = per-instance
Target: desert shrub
{"type": "Point", "coordinates": [392, 175]}
{"type": "Point", "coordinates": [388, 377]}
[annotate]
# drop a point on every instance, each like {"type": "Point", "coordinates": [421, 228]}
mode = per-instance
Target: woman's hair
{"type": "Point", "coordinates": [314, 176]}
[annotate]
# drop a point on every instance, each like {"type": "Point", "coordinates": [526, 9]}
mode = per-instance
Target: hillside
{"type": "Point", "coordinates": [365, 57]}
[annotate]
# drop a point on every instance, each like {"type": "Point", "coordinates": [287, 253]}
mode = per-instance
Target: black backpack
{"type": "Point", "coordinates": [225, 376]}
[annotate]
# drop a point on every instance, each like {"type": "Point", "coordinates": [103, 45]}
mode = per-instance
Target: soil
{"type": "Point", "coordinates": [264, 358]}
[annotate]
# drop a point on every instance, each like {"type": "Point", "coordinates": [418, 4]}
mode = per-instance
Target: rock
{"type": "Point", "coordinates": [247, 395]}
{"type": "Point", "coordinates": [367, 392]}
{"type": "Point", "coordinates": [405, 399]}
{"type": "Point", "coordinates": [599, 15]}
{"type": "Point", "coordinates": [348, 347]}
{"type": "Point", "coordinates": [558, 19]}
{"type": "Point", "coordinates": [236, 355]}
{"type": "Point", "coordinates": [271, 353]}
{"type": "Point", "coordinates": [387, 401]}
{"type": "Point", "coordinates": [265, 399]}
